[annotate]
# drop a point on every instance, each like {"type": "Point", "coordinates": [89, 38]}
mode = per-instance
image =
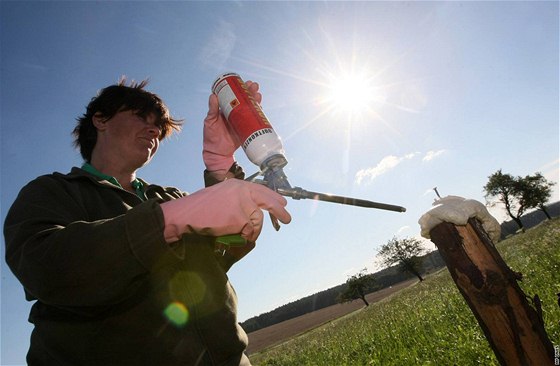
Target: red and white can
{"type": "Point", "coordinates": [247, 120]}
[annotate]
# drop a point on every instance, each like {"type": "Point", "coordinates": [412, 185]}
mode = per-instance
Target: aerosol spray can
{"type": "Point", "coordinates": [264, 148]}
{"type": "Point", "coordinates": [260, 142]}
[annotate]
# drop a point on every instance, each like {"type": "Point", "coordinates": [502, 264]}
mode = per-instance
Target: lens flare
{"type": "Point", "coordinates": [191, 282]}
{"type": "Point", "coordinates": [177, 314]}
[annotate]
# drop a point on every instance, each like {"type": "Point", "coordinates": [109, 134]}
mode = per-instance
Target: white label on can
{"type": "Point", "coordinates": [226, 97]}
{"type": "Point", "coordinates": [261, 145]}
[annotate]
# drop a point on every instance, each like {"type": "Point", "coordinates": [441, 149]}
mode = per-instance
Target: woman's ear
{"type": "Point", "coordinates": [99, 121]}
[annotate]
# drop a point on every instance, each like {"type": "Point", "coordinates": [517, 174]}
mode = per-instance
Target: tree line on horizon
{"type": "Point", "coordinates": [382, 279]}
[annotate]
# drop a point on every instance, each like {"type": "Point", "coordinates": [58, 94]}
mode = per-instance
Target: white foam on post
{"type": "Point", "coordinates": [458, 210]}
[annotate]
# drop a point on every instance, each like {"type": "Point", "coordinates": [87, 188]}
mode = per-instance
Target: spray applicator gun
{"type": "Point", "coordinates": [264, 148]}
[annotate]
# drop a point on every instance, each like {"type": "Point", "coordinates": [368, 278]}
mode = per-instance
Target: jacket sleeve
{"type": "Point", "coordinates": [236, 170]}
{"type": "Point", "coordinates": [63, 259]}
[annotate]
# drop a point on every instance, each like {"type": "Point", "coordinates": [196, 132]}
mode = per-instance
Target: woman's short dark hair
{"type": "Point", "coordinates": [117, 98]}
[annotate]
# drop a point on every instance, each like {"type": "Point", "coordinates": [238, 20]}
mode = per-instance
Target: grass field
{"type": "Point", "coordinates": [429, 323]}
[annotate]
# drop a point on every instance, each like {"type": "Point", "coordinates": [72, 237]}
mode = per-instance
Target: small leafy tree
{"type": "Point", "coordinates": [406, 252]}
{"type": "Point", "coordinates": [536, 191]}
{"type": "Point", "coordinates": [357, 286]}
{"type": "Point", "coordinates": [507, 190]}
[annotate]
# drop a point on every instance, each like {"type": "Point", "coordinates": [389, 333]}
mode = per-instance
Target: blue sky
{"type": "Point", "coordinates": [449, 92]}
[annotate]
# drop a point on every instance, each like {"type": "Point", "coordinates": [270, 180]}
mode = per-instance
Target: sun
{"type": "Point", "coordinates": [349, 96]}
{"type": "Point", "coordinates": [353, 94]}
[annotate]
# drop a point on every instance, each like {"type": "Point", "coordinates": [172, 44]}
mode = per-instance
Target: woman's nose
{"type": "Point", "coordinates": [154, 131]}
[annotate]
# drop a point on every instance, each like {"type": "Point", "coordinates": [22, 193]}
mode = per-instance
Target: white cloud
{"type": "Point", "coordinates": [403, 229]}
{"type": "Point", "coordinates": [387, 163]}
{"type": "Point", "coordinates": [218, 48]}
{"type": "Point", "coordinates": [390, 162]}
{"type": "Point", "coordinates": [430, 155]}
{"type": "Point", "coordinates": [34, 66]}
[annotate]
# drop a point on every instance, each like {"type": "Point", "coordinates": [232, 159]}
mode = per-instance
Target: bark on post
{"type": "Point", "coordinates": [511, 325]}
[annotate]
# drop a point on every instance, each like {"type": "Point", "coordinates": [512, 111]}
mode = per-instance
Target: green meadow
{"type": "Point", "coordinates": [429, 323]}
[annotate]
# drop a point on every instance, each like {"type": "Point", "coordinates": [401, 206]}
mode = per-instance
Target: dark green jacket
{"type": "Point", "coordinates": [108, 289]}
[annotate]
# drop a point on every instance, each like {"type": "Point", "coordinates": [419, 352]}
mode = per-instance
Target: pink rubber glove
{"type": "Point", "coordinates": [230, 207]}
{"type": "Point", "coordinates": [219, 143]}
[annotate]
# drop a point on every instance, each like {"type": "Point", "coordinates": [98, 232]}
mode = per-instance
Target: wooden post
{"type": "Point", "coordinates": [513, 328]}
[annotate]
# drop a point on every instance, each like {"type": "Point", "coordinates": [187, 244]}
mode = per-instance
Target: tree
{"type": "Point", "coordinates": [507, 190]}
{"type": "Point", "coordinates": [519, 194]}
{"type": "Point", "coordinates": [406, 252]}
{"type": "Point", "coordinates": [357, 286]}
{"type": "Point", "coordinates": [536, 191]}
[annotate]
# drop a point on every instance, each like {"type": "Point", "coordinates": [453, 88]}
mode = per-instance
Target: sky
{"type": "Point", "coordinates": [375, 100]}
